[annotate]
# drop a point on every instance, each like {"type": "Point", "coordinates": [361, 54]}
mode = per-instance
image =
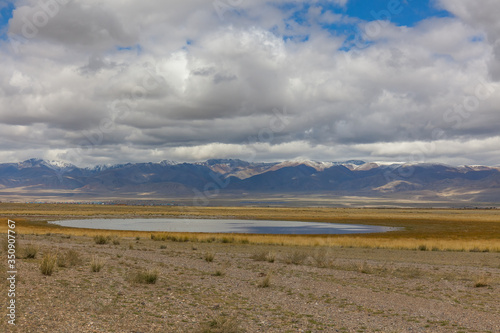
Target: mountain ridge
{"type": "Point", "coordinates": [238, 178]}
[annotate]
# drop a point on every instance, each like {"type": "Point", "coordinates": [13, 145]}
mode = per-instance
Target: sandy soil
{"type": "Point", "coordinates": [310, 289]}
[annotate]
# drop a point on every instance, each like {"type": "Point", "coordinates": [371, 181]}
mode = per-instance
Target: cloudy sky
{"type": "Point", "coordinates": [97, 82]}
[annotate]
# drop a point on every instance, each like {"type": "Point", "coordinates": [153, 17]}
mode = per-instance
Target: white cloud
{"type": "Point", "coordinates": [137, 81]}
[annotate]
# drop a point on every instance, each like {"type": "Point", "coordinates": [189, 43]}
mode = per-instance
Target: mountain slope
{"type": "Point", "coordinates": [236, 177]}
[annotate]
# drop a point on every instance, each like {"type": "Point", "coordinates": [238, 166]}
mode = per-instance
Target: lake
{"type": "Point", "coordinates": [224, 226]}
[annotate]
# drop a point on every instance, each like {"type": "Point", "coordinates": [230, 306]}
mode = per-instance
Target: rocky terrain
{"type": "Point", "coordinates": [230, 287]}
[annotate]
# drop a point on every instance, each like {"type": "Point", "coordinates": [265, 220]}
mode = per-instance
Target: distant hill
{"type": "Point", "coordinates": [238, 178]}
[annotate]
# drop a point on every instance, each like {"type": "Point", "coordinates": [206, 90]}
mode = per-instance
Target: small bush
{"type": "Point", "coordinates": [96, 264]}
{"type": "Point", "coordinates": [219, 272]}
{"type": "Point", "coordinates": [227, 240]}
{"type": "Point", "coordinates": [178, 238]}
{"type": "Point", "coordinates": [71, 258]}
{"type": "Point", "coordinates": [264, 256]}
{"type": "Point", "coordinates": [365, 268]}
{"type": "Point", "coordinates": [296, 258]}
{"type": "Point", "coordinates": [116, 241]}
{"type": "Point", "coordinates": [146, 277]}
{"type": "Point", "coordinates": [270, 257]}
{"type": "Point", "coordinates": [321, 259]}
{"type": "Point", "coordinates": [209, 256]}
{"type": "Point", "coordinates": [5, 244]}
{"type": "Point", "coordinates": [163, 247]}
{"type": "Point", "coordinates": [221, 324]}
{"type": "Point", "coordinates": [266, 282]}
{"type": "Point", "coordinates": [482, 281]}
{"type": "Point", "coordinates": [101, 239]}
{"type": "Point", "coordinates": [422, 247]}
{"type": "Point", "coordinates": [30, 251]}
{"type": "Point", "coordinates": [48, 263]}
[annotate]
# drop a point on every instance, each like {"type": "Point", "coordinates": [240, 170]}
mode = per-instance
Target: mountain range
{"type": "Point", "coordinates": [239, 179]}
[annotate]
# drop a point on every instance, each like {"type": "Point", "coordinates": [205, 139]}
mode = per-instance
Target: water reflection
{"type": "Point", "coordinates": [224, 226]}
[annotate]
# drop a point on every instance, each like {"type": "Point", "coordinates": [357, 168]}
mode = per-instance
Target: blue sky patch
{"type": "Point", "coordinates": [399, 12]}
{"type": "Point", "coordinates": [6, 10]}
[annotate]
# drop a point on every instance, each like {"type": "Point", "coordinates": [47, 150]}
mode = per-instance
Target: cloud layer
{"type": "Point", "coordinates": [144, 81]}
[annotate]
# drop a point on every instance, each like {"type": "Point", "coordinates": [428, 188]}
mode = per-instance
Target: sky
{"type": "Point", "coordinates": [92, 82]}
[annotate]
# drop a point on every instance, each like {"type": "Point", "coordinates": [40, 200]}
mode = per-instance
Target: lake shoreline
{"type": "Point", "coordinates": [231, 226]}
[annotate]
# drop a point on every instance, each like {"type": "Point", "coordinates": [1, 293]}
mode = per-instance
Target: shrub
{"type": "Point", "coordinates": [101, 239]}
{"type": "Point", "coordinates": [321, 260]}
{"type": "Point", "coordinates": [264, 256]}
{"type": "Point", "coordinates": [270, 257]}
{"type": "Point", "coordinates": [221, 324]}
{"type": "Point", "coordinates": [422, 247]}
{"type": "Point", "coordinates": [266, 282]}
{"type": "Point", "coordinates": [482, 281]}
{"type": "Point", "coordinates": [5, 244]}
{"type": "Point", "coordinates": [209, 256]}
{"type": "Point", "coordinates": [72, 258]}
{"type": "Point", "coordinates": [96, 264]}
{"type": "Point", "coordinates": [219, 272]}
{"type": "Point", "coordinates": [148, 277]}
{"type": "Point", "coordinates": [365, 268]}
{"type": "Point", "coordinates": [227, 240]}
{"type": "Point", "coordinates": [30, 251]}
{"type": "Point", "coordinates": [48, 263]}
{"type": "Point", "coordinates": [296, 258]}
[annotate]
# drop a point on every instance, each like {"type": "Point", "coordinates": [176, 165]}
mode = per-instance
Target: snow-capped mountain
{"type": "Point", "coordinates": [35, 162]}
{"type": "Point", "coordinates": [237, 177]}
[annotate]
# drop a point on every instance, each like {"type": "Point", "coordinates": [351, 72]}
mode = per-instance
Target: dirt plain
{"type": "Point", "coordinates": [230, 284]}
{"type": "Point", "coordinates": [309, 289]}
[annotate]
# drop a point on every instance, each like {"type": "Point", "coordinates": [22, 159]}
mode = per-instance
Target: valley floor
{"type": "Point", "coordinates": [250, 288]}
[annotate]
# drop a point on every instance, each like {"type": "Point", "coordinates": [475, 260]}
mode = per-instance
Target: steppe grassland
{"type": "Point", "coordinates": [421, 229]}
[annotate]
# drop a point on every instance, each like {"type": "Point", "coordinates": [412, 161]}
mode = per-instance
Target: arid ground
{"type": "Point", "coordinates": [141, 282]}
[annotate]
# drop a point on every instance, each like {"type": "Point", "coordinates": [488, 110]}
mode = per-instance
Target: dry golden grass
{"type": "Point", "coordinates": [48, 263]}
{"type": "Point", "coordinates": [429, 229]}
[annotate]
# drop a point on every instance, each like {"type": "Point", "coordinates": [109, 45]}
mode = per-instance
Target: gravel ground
{"type": "Point", "coordinates": [241, 290]}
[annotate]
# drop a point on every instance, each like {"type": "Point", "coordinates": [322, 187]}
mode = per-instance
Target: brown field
{"type": "Point", "coordinates": [440, 274]}
{"type": "Point", "coordinates": [430, 229]}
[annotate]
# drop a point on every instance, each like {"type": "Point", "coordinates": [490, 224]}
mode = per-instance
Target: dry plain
{"type": "Point", "coordinates": [440, 273]}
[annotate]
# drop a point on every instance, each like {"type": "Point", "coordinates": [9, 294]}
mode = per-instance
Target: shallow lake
{"type": "Point", "coordinates": [224, 226]}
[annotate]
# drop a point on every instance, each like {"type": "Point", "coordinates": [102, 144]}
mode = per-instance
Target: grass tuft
{"type": "Point", "coordinates": [101, 239]}
{"type": "Point", "coordinates": [322, 260]}
{"type": "Point", "coordinates": [209, 256]}
{"type": "Point", "coordinates": [30, 251]}
{"type": "Point", "coordinates": [422, 247]}
{"type": "Point", "coordinates": [219, 272]}
{"type": "Point", "coordinates": [264, 256]}
{"type": "Point", "coordinates": [266, 282]}
{"type": "Point", "coordinates": [295, 257]}
{"type": "Point", "coordinates": [482, 281]}
{"type": "Point", "coordinates": [221, 324]}
{"type": "Point", "coordinates": [96, 264]}
{"type": "Point", "coordinates": [147, 277]}
{"type": "Point", "coordinates": [48, 263]}
{"type": "Point", "coordinates": [71, 258]}
{"type": "Point", "coordinates": [365, 268]}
